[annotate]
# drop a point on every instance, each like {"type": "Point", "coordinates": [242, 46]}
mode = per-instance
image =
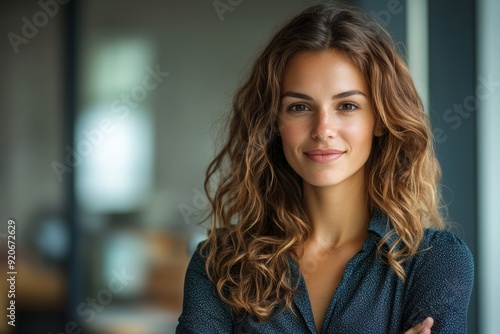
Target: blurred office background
{"type": "Point", "coordinates": [109, 112]}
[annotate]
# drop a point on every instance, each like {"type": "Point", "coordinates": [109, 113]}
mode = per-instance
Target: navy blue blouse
{"type": "Point", "coordinates": [370, 297]}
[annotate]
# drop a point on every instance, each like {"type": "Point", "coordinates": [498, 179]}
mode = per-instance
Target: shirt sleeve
{"type": "Point", "coordinates": [441, 285]}
{"type": "Point", "coordinates": [202, 310]}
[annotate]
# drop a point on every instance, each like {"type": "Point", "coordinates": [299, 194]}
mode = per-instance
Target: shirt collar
{"type": "Point", "coordinates": [380, 226]}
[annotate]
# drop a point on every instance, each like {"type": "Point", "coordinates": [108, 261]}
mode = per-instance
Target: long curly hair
{"type": "Point", "coordinates": [257, 218]}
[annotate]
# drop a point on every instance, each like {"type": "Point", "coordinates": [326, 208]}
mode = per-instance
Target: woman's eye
{"type": "Point", "coordinates": [348, 107]}
{"type": "Point", "coordinates": [298, 107]}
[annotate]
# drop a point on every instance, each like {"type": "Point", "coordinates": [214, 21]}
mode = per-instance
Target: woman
{"type": "Point", "coordinates": [325, 216]}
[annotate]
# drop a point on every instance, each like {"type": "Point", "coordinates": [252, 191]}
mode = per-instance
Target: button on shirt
{"type": "Point", "coordinates": [370, 297]}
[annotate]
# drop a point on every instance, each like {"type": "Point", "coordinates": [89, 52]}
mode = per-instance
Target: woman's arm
{"type": "Point", "coordinates": [202, 310]}
{"type": "Point", "coordinates": [440, 285]}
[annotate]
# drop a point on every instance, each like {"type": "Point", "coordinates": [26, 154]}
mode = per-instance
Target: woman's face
{"type": "Point", "coordinates": [326, 121]}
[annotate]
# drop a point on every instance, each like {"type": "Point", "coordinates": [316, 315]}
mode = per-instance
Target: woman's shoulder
{"type": "Point", "coordinates": [203, 247]}
{"type": "Point", "coordinates": [203, 311]}
{"type": "Point", "coordinates": [200, 252]}
{"type": "Point", "coordinates": [444, 251]}
{"type": "Point", "coordinates": [443, 240]}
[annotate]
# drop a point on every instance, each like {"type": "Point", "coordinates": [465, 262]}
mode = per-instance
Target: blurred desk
{"type": "Point", "coordinates": [134, 320]}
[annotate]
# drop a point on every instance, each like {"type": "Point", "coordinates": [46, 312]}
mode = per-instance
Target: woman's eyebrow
{"type": "Point", "coordinates": [297, 95]}
{"type": "Point", "coordinates": [334, 97]}
{"type": "Point", "coordinates": [347, 94]}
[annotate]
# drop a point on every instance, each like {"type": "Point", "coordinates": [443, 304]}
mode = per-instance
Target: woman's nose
{"type": "Point", "coordinates": [324, 127]}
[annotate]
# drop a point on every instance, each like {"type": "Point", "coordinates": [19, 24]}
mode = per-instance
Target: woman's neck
{"type": "Point", "coordinates": [338, 214]}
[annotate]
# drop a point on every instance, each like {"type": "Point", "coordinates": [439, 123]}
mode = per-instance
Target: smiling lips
{"type": "Point", "coordinates": [324, 156]}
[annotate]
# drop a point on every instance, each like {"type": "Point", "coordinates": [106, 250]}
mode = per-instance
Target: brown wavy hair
{"type": "Point", "coordinates": [257, 219]}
